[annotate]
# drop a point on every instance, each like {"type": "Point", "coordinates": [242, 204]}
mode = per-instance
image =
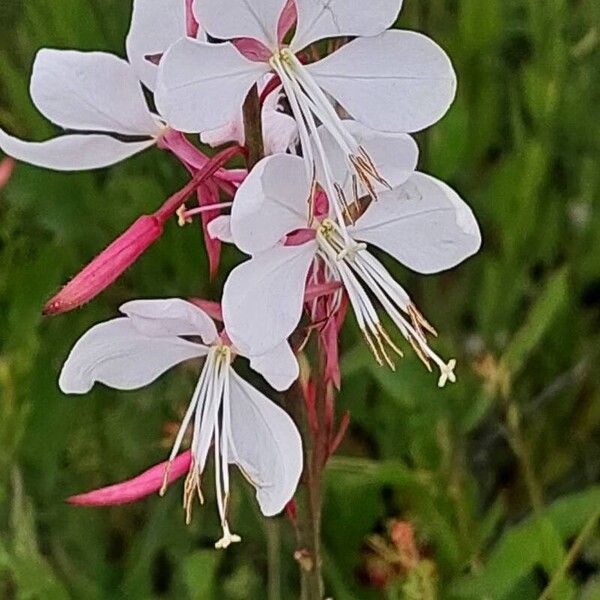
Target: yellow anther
{"type": "Point", "coordinates": [182, 219]}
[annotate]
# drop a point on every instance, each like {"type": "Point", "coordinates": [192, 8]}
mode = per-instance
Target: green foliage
{"type": "Point", "coordinates": [497, 475]}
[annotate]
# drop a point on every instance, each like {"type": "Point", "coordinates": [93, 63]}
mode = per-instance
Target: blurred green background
{"type": "Point", "coordinates": [497, 478]}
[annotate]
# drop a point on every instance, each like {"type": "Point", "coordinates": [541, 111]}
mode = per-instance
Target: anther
{"type": "Point", "coordinates": [182, 218]}
{"type": "Point", "coordinates": [165, 482]}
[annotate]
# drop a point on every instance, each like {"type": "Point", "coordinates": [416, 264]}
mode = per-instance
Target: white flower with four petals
{"type": "Point", "coordinates": [244, 426]}
{"type": "Point", "coordinates": [393, 81]}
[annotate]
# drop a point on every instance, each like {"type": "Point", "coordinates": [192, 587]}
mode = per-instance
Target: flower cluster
{"type": "Point", "coordinates": [339, 94]}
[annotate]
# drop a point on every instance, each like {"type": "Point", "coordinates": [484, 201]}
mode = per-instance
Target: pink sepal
{"type": "Point", "coordinates": [191, 25]}
{"type": "Point", "coordinates": [212, 309]}
{"type": "Point", "coordinates": [252, 49]}
{"type": "Point", "coordinates": [149, 482]}
{"type": "Point", "coordinates": [287, 20]}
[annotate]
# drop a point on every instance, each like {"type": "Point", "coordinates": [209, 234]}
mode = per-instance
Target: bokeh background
{"type": "Point", "coordinates": [489, 489]}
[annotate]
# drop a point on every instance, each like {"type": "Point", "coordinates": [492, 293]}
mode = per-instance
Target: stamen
{"type": "Point", "coordinates": [182, 219]}
{"type": "Point", "coordinates": [372, 346]}
{"type": "Point", "coordinates": [388, 360]}
{"type": "Point", "coordinates": [185, 216]}
{"type": "Point", "coordinates": [192, 484]}
{"type": "Point", "coordinates": [389, 341]}
{"type": "Point", "coordinates": [419, 321]}
{"type": "Point", "coordinates": [165, 482]}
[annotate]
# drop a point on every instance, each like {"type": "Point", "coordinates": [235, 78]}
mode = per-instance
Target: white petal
{"type": "Point", "coordinates": [172, 317]}
{"type": "Point", "coordinates": [220, 229]}
{"type": "Point", "coordinates": [72, 152]}
{"type": "Point", "coordinates": [203, 86]}
{"type": "Point", "coordinates": [155, 25]}
{"type": "Point", "coordinates": [272, 202]}
{"type": "Point", "coordinates": [266, 445]}
{"type": "Point", "coordinates": [230, 132]}
{"type": "Point", "coordinates": [116, 354]}
{"type": "Point", "coordinates": [318, 19]}
{"type": "Point", "coordinates": [263, 297]}
{"type": "Point", "coordinates": [280, 131]}
{"type": "Point", "coordinates": [256, 19]}
{"type": "Point", "coordinates": [424, 224]}
{"type": "Point", "coordinates": [398, 81]}
{"type": "Point", "coordinates": [92, 91]}
{"type": "Point", "coordinates": [279, 366]}
{"type": "Point", "coordinates": [394, 154]}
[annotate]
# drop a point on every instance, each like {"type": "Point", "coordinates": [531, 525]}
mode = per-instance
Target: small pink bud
{"type": "Point", "coordinates": [6, 169]}
{"type": "Point", "coordinates": [149, 482]}
{"type": "Point", "coordinates": [107, 266]}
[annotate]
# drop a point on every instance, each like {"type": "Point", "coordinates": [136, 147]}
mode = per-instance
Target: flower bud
{"type": "Point", "coordinates": [107, 266]}
{"type": "Point", "coordinates": [149, 482]}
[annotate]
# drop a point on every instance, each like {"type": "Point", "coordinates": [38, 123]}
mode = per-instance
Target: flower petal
{"type": "Point", "coordinates": [272, 202]}
{"type": "Point", "coordinates": [263, 297]}
{"type": "Point", "coordinates": [92, 91]}
{"type": "Point", "coordinates": [169, 318]}
{"type": "Point", "coordinates": [256, 19]}
{"type": "Point", "coordinates": [279, 366]}
{"type": "Point", "coordinates": [395, 155]}
{"type": "Point", "coordinates": [424, 224]}
{"type": "Point", "coordinates": [202, 86]}
{"type": "Point", "coordinates": [220, 229]}
{"type": "Point", "coordinates": [116, 354]}
{"type": "Point", "coordinates": [155, 25]}
{"type": "Point", "coordinates": [398, 81]}
{"type": "Point", "coordinates": [280, 131]}
{"type": "Point", "coordinates": [318, 19]}
{"type": "Point", "coordinates": [265, 444]}
{"type": "Point", "coordinates": [78, 152]}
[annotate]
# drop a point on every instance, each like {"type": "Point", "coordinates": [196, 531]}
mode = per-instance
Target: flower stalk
{"type": "Point", "coordinates": [308, 498]}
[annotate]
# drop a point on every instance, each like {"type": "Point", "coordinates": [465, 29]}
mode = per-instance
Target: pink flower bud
{"type": "Point", "coordinates": [149, 482]}
{"type": "Point", "coordinates": [107, 266]}
{"type": "Point", "coordinates": [6, 169]}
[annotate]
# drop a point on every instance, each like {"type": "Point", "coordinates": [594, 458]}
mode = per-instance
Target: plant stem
{"type": "Point", "coordinates": [308, 503]}
{"type": "Point", "coordinates": [308, 497]}
{"type": "Point", "coordinates": [253, 128]}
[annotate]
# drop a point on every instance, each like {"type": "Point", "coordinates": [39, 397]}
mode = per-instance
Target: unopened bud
{"type": "Point", "coordinates": [149, 482]}
{"type": "Point", "coordinates": [107, 266]}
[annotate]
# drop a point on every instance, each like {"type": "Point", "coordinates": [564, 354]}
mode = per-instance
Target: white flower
{"type": "Point", "coordinates": [280, 132]}
{"type": "Point", "coordinates": [394, 81]}
{"type": "Point", "coordinates": [94, 96]}
{"type": "Point", "coordinates": [97, 97]}
{"type": "Point", "coordinates": [245, 427]}
{"type": "Point", "coordinates": [423, 224]}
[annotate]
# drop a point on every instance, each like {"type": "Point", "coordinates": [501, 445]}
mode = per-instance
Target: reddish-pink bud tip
{"type": "Point", "coordinates": [107, 266]}
{"type": "Point", "coordinates": [149, 482]}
